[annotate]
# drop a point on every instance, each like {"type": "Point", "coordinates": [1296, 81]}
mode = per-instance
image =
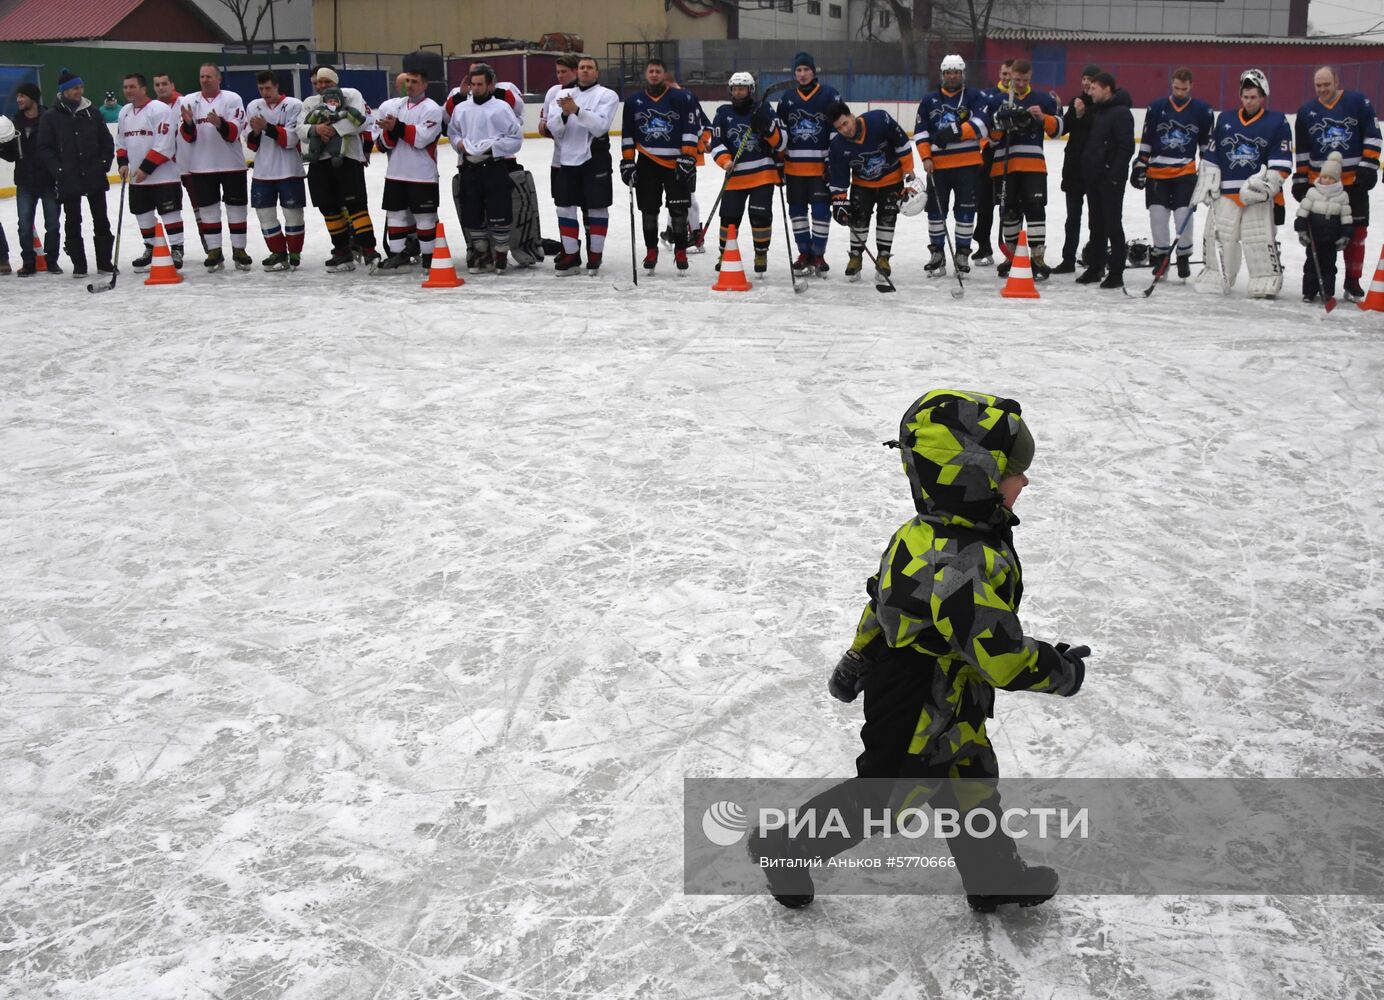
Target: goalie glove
{"type": "Point", "coordinates": [1208, 184]}
{"type": "Point", "coordinates": [848, 679]}
{"type": "Point", "coordinates": [1263, 186]}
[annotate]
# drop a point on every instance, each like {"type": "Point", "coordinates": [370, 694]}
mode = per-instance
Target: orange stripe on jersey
{"type": "Point", "coordinates": [805, 168]}
{"type": "Point", "coordinates": [1168, 173]}
{"type": "Point", "coordinates": [893, 177]}
{"type": "Point", "coordinates": [755, 179]}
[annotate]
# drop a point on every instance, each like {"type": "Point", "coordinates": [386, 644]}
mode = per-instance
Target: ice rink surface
{"type": "Point", "coordinates": [357, 638]}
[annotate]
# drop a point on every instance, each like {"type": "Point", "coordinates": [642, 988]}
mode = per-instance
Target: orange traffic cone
{"type": "Point", "coordinates": [1374, 299]}
{"type": "Point", "coordinates": [40, 261]}
{"type": "Point", "coordinates": [442, 273]}
{"type": "Point", "coordinates": [1020, 284]}
{"type": "Point", "coordinates": [732, 277]}
{"type": "Point", "coordinates": [161, 269]}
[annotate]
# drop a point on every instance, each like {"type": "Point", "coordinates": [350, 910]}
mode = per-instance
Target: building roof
{"type": "Point", "coordinates": [1041, 35]}
{"type": "Point", "coordinates": [61, 20]}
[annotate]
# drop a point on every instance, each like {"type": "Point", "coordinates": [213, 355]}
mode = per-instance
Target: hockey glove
{"type": "Point", "coordinates": [1304, 237]}
{"type": "Point", "coordinates": [1261, 187]}
{"type": "Point", "coordinates": [946, 135]}
{"type": "Point", "coordinates": [848, 679]}
{"type": "Point", "coordinates": [1074, 657]}
{"type": "Point", "coordinates": [761, 121]}
{"type": "Point", "coordinates": [841, 212]}
{"type": "Point", "coordinates": [627, 173]}
{"type": "Point", "coordinates": [1139, 176]}
{"type": "Point", "coordinates": [1342, 242]}
{"type": "Point", "coordinates": [1300, 187]}
{"type": "Point", "coordinates": [1366, 177]}
{"type": "Point", "coordinates": [686, 168]}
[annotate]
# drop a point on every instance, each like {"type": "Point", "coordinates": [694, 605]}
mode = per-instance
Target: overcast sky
{"type": "Point", "coordinates": [1344, 16]}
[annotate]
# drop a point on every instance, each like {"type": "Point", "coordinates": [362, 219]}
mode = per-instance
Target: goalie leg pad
{"type": "Point", "coordinates": [1261, 251]}
{"type": "Point", "coordinates": [526, 240]}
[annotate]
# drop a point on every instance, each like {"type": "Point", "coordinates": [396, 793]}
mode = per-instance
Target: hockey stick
{"type": "Point", "coordinates": [1327, 300]}
{"type": "Point", "coordinates": [1177, 239]}
{"type": "Point", "coordinates": [115, 258]}
{"type": "Point", "coordinates": [1006, 250]}
{"type": "Point", "coordinates": [788, 242]}
{"type": "Point", "coordinates": [960, 290]}
{"type": "Point", "coordinates": [888, 285]}
{"type": "Point", "coordinates": [634, 257]}
{"type": "Point", "coordinates": [739, 151]}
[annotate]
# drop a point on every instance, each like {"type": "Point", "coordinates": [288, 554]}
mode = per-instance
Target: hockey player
{"type": "Point", "coordinates": [984, 255]}
{"type": "Point", "coordinates": [696, 231]}
{"type": "Point", "coordinates": [1175, 127]}
{"type": "Point", "coordinates": [1242, 174]}
{"type": "Point", "coordinates": [338, 191]}
{"type": "Point", "coordinates": [870, 160]}
{"type": "Point", "coordinates": [487, 137]}
{"type": "Point", "coordinates": [409, 128]}
{"type": "Point", "coordinates": [1323, 226]}
{"type": "Point", "coordinates": [145, 146]}
{"type": "Point", "coordinates": [939, 636]}
{"type": "Point", "coordinates": [278, 173]}
{"type": "Point", "coordinates": [212, 122]}
{"type": "Point", "coordinates": [949, 133]}
{"type": "Point", "coordinates": [747, 127]}
{"type": "Point", "coordinates": [579, 120]}
{"type": "Point", "coordinates": [167, 92]}
{"type": "Point", "coordinates": [807, 130]}
{"type": "Point", "coordinates": [1020, 171]}
{"type": "Point", "coordinates": [1340, 121]}
{"type": "Point", "coordinates": [1104, 169]}
{"type": "Point", "coordinates": [658, 158]}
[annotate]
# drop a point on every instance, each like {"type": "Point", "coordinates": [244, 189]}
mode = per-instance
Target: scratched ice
{"type": "Point", "coordinates": [357, 638]}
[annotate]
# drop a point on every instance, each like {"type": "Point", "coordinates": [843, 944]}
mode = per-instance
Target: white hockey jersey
{"type": "Point", "coordinates": [345, 127]}
{"type": "Point", "coordinates": [413, 148]}
{"type": "Point", "coordinates": [148, 134]}
{"type": "Point", "coordinates": [574, 135]}
{"type": "Point", "coordinates": [548, 99]}
{"type": "Point", "coordinates": [277, 157]}
{"type": "Point", "coordinates": [208, 151]}
{"type": "Point", "coordinates": [488, 127]}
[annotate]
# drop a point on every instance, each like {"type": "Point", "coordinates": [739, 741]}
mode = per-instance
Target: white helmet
{"type": "Point", "coordinates": [6, 129]}
{"type": "Point", "coordinates": [1258, 78]}
{"type": "Point", "coordinates": [741, 79]}
{"type": "Point", "coordinates": [953, 62]}
{"type": "Point", "coordinates": [914, 198]}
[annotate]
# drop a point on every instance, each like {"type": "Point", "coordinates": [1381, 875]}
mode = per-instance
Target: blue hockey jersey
{"type": "Point", "coordinates": [1023, 147]}
{"type": "Point", "coordinates": [803, 115]}
{"type": "Point", "coordinates": [1172, 135]}
{"type": "Point", "coordinates": [757, 166]}
{"type": "Point", "coordinates": [1347, 126]}
{"type": "Point", "coordinates": [878, 156]}
{"type": "Point", "coordinates": [938, 110]}
{"type": "Point", "coordinates": [661, 128]}
{"type": "Point", "coordinates": [1240, 147]}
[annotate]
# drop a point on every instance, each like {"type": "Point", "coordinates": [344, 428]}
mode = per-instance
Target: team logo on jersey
{"type": "Point", "coordinates": [741, 132]}
{"type": "Point", "coordinates": [657, 126]}
{"type": "Point", "coordinates": [1177, 136]}
{"type": "Point", "coordinates": [870, 165]}
{"type": "Point", "coordinates": [1243, 150]}
{"type": "Point", "coordinates": [806, 127]}
{"type": "Point", "coordinates": [1334, 133]}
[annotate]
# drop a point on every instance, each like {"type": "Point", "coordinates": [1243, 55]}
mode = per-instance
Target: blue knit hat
{"type": "Point", "coordinates": [805, 59]}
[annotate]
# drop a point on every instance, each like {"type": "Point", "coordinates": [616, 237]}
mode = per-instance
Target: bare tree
{"type": "Point", "coordinates": [250, 15]}
{"type": "Point", "coordinates": [969, 17]}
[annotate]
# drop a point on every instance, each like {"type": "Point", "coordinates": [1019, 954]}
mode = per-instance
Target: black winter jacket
{"type": "Point", "coordinates": [29, 171]}
{"type": "Point", "coordinates": [1078, 130]}
{"type": "Point", "coordinates": [1110, 146]}
{"type": "Point", "coordinates": [77, 149]}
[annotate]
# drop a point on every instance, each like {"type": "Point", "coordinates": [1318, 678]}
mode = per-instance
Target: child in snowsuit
{"type": "Point", "coordinates": [939, 635]}
{"type": "Point", "coordinates": [332, 109]}
{"type": "Point", "coordinates": [1323, 226]}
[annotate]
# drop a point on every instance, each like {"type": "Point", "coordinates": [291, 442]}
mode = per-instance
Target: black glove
{"type": "Point", "coordinates": [1300, 187]}
{"type": "Point", "coordinates": [627, 173]}
{"type": "Point", "coordinates": [1304, 238]}
{"type": "Point", "coordinates": [841, 212]}
{"type": "Point", "coordinates": [686, 167]}
{"type": "Point", "coordinates": [1366, 177]}
{"type": "Point", "coordinates": [848, 679]}
{"type": "Point", "coordinates": [1139, 176]}
{"type": "Point", "coordinates": [761, 121]}
{"type": "Point", "coordinates": [946, 134]}
{"type": "Point", "coordinates": [1342, 242]}
{"type": "Point", "coordinates": [1013, 119]}
{"type": "Point", "coordinates": [1075, 657]}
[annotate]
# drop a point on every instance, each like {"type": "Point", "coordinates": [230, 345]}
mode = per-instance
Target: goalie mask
{"type": "Point", "coordinates": [914, 200]}
{"type": "Point", "coordinates": [1255, 78]}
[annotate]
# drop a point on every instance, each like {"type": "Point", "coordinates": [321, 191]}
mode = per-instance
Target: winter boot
{"type": "Point", "coordinates": [216, 260]}
{"type": "Point", "coordinates": [1066, 267]}
{"type": "Point", "coordinates": [1114, 278]}
{"type": "Point", "coordinates": [994, 875]}
{"type": "Point", "coordinates": [1090, 276]}
{"type": "Point", "coordinates": [651, 259]}
{"type": "Point", "coordinates": [937, 266]}
{"type": "Point", "coordinates": [761, 261]}
{"type": "Point", "coordinates": [141, 264]}
{"type": "Point", "coordinates": [983, 257]}
{"type": "Point", "coordinates": [242, 259]}
{"type": "Point", "coordinates": [791, 886]}
{"type": "Point", "coordinates": [854, 264]}
{"type": "Point", "coordinates": [1184, 266]}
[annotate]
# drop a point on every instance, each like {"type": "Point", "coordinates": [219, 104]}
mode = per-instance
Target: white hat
{"type": "Point", "coordinates": [327, 74]}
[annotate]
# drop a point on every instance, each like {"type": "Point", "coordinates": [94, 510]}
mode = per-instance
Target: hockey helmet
{"type": "Point", "coordinates": [1257, 78]}
{"type": "Point", "coordinates": [953, 63]}
{"type": "Point", "coordinates": [741, 79]}
{"type": "Point", "coordinates": [1138, 253]}
{"type": "Point", "coordinates": [914, 200]}
{"type": "Point", "coordinates": [6, 129]}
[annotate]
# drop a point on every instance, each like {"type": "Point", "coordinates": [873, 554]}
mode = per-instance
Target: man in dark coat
{"type": "Point", "coordinates": [1104, 170]}
{"type": "Point", "coordinates": [33, 183]}
{"type": "Point", "coordinates": [1076, 123]}
{"type": "Point", "coordinates": [77, 148]}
